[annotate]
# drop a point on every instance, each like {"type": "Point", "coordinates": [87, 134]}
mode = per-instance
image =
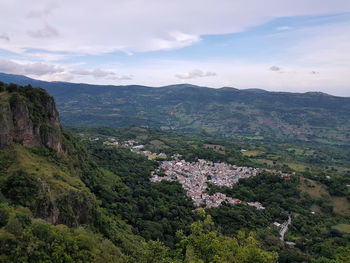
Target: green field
{"type": "Point", "coordinates": [343, 228]}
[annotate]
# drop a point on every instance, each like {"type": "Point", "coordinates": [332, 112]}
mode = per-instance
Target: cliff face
{"type": "Point", "coordinates": [29, 116]}
{"type": "Point", "coordinates": [50, 189]}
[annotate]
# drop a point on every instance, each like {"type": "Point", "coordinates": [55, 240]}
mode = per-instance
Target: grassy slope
{"type": "Point", "coordinates": [58, 176]}
{"type": "Point", "coordinates": [316, 190]}
{"type": "Point", "coordinates": [343, 228]}
{"type": "Point", "coordinates": [61, 185]}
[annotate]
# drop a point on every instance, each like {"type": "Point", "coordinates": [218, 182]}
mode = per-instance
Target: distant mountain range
{"type": "Point", "coordinates": [228, 112]}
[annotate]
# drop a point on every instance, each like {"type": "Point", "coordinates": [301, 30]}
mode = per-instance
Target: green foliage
{"type": "Point", "coordinates": [204, 245]}
{"type": "Point", "coordinates": [21, 188]}
{"type": "Point", "coordinates": [232, 219]}
{"type": "Point", "coordinates": [157, 211]}
{"type": "Point", "coordinates": [76, 208]}
{"type": "Point", "coordinates": [191, 148]}
{"type": "Point", "coordinates": [156, 252]}
{"type": "Point", "coordinates": [107, 210]}
{"type": "Point", "coordinates": [6, 159]}
{"type": "Point", "coordinates": [86, 195]}
{"type": "Point", "coordinates": [4, 217]}
{"type": "Point", "coordinates": [280, 196]}
{"type": "Point", "coordinates": [317, 117]}
{"type": "Point", "coordinates": [42, 242]}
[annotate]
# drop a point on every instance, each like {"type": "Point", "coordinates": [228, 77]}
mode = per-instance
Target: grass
{"type": "Point", "coordinates": [58, 177]}
{"type": "Point", "coordinates": [301, 151]}
{"type": "Point", "coordinates": [156, 142]}
{"type": "Point", "coordinates": [313, 188]}
{"type": "Point", "coordinates": [252, 153]}
{"type": "Point", "coordinates": [341, 205]}
{"type": "Point", "coordinates": [299, 167]}
{"type": "Point", "coordinates": [342, 228]}
{"type": "Point", "coordinates": [265, 161]}
{"type": "Point", "coordinates": [153, 157]}
{"type": "Point", "coordinates": [4, 97]}
{"type": "Point", "coordinates": [258, 138]}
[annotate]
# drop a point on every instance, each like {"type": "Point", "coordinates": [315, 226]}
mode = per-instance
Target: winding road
{"type": "Point", "coordinates": [284, 228]}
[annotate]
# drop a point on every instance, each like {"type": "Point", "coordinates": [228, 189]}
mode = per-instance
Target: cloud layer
{"type": "Point", "coordinates": [94, 27]}
{"type": "Point", "coordinates": [87, 41]}
{"type": "Point", "coordinates": [99, 73]}
{"type": "Point", "coordinates": [37, 69]}
{"type": "Point", "coordinates": [196, 73]}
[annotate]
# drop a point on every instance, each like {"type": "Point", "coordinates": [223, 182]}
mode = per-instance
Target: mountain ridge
{"type": "Point", "coordinates": [24, 80]}
{"type": "Point", "coordinates": [225, 112]}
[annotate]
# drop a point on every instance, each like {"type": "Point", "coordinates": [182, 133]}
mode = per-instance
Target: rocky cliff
{"type": "Point", "coordinates": [44, 181]}
{"type": "Point", "coordinates": [28, 116]}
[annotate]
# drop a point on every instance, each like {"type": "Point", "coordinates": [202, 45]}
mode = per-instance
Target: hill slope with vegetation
{"type": "Point", "coordinates": [73, 204]}
{"type": "Point", "coordinates": [227, 112]}
{"type": "Point", "coordinates": [316, 197]}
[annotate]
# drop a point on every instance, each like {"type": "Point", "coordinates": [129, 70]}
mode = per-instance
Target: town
{"type": "Point", "coordinates": [195, 177]}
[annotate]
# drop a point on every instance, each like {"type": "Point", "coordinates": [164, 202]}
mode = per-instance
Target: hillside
{"type": "Point", "coordinates": [61, 202]}
{"type": "Point", "coordinates": [319, 209]}
{"type": "Point", "coordinates": [30, 117]}
{"type": "Point", "coordinates": [226, 112]}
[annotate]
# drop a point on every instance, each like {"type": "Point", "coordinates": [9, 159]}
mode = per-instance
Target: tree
{"type": "Point", "coordinates": [205, 245]}
{"type": "Point", "coordinates": [4, 217]}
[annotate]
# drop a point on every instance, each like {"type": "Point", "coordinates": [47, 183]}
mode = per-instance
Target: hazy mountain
{"type": "Point", "coordinates": [227, 111]}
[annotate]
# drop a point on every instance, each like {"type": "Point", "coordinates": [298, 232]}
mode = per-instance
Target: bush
{"type": "Point", "coordinates": [4, 217]}
{"type": "Point", "coordinates": [21, 188]}
{"type": "Point", "coordinates": [12, 87]}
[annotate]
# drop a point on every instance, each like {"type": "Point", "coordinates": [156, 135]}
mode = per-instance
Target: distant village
{"type": "Point", "coordinates": [196, 176]}
{"type": "Point", "coordinates": [136, 148]}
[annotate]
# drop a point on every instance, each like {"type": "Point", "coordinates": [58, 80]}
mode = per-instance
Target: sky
{"type": "Point", "coordinates": [277, 45]}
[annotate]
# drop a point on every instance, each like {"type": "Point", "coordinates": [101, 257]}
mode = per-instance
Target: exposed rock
{"type": "Point", "coordinates": [29, 116]}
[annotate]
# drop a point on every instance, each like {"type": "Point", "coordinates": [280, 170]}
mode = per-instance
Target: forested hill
{"type": "Point", "coordinates": [252, 113]}
{"type": "Point", "coordinates": [87, 198]}
{"type": "Point", "coordinates": [60, 202]}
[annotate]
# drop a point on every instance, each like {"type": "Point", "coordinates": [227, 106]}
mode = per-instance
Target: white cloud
{"type": "Point", "coordinates": [196, 73]}
{"type": "Point", "coordinates": [324, 46]}
{"type": "Point", "coordinates": [275, 68]}
{"type": "Point", "coordinates": [53, 30]}
{"type": "Point", "coordinates": [47, 56]}
{"type": "Point", "coordinates": [41, 12]}
{"type": "Point", "coordinates": [40, 69]}
{"type": "Point", "coordinates": [95, 27]}
{"type": "Point", "coordinates": [242, 74]}
{"type": "Point", "coordinates": [121, 77]}
{"type": "Point", "coordinates": [4, 37]}
{"type": "Point", "coordinates": [99, 73]}
{"type": "Point", "coordinates": [45, 32]}
{"type": "Point", "coordinates": [283, 28]}
{"type": "Point", "coordinates": [37, 68]}
{"type": "Point", "coordinates": [51, 72]}
{"type": "Point", "coordinates": [63, 76]}
{"type": "Point", "coordinates": [96, 73]}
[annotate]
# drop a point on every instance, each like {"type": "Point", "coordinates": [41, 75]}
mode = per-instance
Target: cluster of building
{"type": "Point", "coordinates": [195, 177]}
{"type": "Point", "coordinates": [135, 147]}
{"type": "Point", "coordinates": [139, 149]}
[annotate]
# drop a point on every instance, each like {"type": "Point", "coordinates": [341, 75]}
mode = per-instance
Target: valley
{"type": "Point", "coordinates": [184, 131]}
{"type": "Point", "coordinates": [135, 189]}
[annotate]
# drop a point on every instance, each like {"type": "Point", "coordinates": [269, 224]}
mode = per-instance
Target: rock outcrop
{"type": "Point", "coordinates": [29, 116]}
